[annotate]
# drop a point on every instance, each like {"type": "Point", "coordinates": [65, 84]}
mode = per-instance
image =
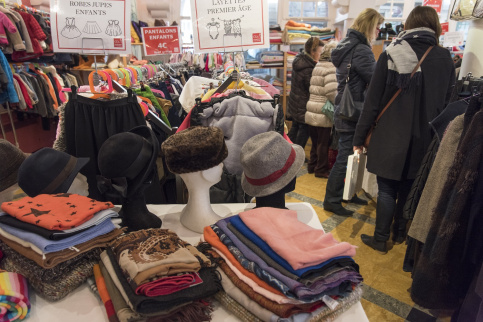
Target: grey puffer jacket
{"type": "Point", "coordinates": [362, 68]}
{"type": "Point", "coordinates": [303, 65]}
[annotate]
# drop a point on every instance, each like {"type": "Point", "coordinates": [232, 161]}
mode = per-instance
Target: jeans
{"type": "Point", "coordinates": [335, 184]}
{"type": "Point", "coordinates": [388, 209]}
{"type": "Point", "coordinates": [299, 133]}
{"type": "Point", "coordinates": [319, 153]}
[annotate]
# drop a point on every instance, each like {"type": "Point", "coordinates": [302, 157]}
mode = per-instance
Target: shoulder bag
{"type": "Point", "coordinates": [369, 134]}
{"type": "Point", "coordinates": [349, 109]}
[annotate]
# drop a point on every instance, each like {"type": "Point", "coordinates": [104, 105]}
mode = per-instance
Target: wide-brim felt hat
{"type": "Point", "coordinates": [131, 156]}
{"type": "Point", "coordinates": [11, 158]}
{"type": "Point", "coordinates": [195, 149]}
{"type": "Point", "coordinates": [49, 171]}
{"type": "Point", "coordinates": [269, 163]}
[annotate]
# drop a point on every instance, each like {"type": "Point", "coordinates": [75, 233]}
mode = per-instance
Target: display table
{"type": "Point", "coordinates": [83, 306]}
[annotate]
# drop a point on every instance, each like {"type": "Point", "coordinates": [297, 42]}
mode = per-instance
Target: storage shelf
{"type": "Point", "coordinates": [261, 67]}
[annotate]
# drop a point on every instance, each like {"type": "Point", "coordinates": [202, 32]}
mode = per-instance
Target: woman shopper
{"type": "Point", "coordinates": [354, 48]}
{"type": "Point", "coordinates": [403, 135]}
{"type": "Point", "coordinates": [323, 88]}
{"type": "Point", "coordinates": [302, 68]}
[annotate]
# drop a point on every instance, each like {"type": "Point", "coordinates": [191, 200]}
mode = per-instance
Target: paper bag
{"type": "Point", "coordinates": [354, 175]}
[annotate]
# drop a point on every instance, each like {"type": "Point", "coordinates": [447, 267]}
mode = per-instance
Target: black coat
{"type": "Point", "coordinates": [403, 134]}
{"type": "Point", "coordinates": [362, 67]}
{"type": "Point", "coordinates": [302, 68]}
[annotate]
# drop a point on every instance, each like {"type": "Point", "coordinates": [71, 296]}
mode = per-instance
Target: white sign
{"type": "Point", "coordinates": [229, 25]}
{"type": "Point", "coordinates": [91, 26]}
{"type": "Point", "coordinates": [455, 38]}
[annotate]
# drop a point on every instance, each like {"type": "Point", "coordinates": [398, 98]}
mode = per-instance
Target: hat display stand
{"type": "Point", "coordinates": [198, 212]}
{"type": "Point", "coordinates": [127, 163]}
{"type": "Point", "coordinates": [277, 199]}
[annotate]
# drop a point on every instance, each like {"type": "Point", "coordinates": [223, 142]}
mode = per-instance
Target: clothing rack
{"type": "Point", "coordinates": [26, 8]}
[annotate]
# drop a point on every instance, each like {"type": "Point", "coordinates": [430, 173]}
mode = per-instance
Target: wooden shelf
{"type": "Point", "coordinates": [137, 43]}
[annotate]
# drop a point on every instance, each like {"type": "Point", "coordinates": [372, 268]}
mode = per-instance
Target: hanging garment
{"type": "Point", "coordinates": [8, 95]}
{"type": "Point", "coordinates": [14, 40]}
{"type": "Point", "coordinates": [88, 123]}
{"type": "Point", "coordinates": [36, 34]}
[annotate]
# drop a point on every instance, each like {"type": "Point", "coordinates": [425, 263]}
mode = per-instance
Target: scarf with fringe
{"type": "Point", "coordinates": [402, 59]}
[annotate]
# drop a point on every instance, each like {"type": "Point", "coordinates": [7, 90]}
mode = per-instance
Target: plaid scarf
{"type": "Point", "coordinates": [402, 59]}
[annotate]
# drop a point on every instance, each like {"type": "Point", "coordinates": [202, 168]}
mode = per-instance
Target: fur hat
{"type": "Point", "coordinates": [130, 156]}
{"type": "Point", "coordinates": [195, 149]}
{"type": "Point", "coordinates": [269, 163]}
{"type": "Point", "coordinates": [12, 157]}
{"type": "Point", "coordinates": [49, 171]}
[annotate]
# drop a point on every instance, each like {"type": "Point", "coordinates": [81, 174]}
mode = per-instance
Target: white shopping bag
{"type": "Point", "coordinates": [354, 175]}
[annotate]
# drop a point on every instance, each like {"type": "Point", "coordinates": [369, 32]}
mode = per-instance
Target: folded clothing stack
{"type": "Point", "coordinates": [263, 257]}
{"type": "Point", "coordinates": [272, 58]}
{"type": "Point", "coordinates": [299, 32]}
{"type": "Point", "coordinates": [55, 240]}
{"type": "Point", "coordinates": [275, 34]}
{"type": "Point", "coordinates": [14, 297]}
{"type": "Point", "coordinates": [153, 274]}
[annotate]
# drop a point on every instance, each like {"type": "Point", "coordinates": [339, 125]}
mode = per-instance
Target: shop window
{"type": "Point", "coordinates": [186, 23]}
{"type": "Point", "coordinates": [391, 10]}
{"type": "Point", "coordinates": [272, 11]}
{"type": "Point", "coordinates": [312, 12]}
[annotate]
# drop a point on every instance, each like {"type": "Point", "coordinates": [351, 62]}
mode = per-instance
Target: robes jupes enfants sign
{"type": "Point", "coordinates": [91, 26]}
{"type": "Point", "coordinates": [161, 40]}
{"type": "Point", "coordinates": [229, 25]}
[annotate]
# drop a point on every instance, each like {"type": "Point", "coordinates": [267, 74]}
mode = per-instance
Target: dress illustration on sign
{"type": "Point", "coordinates": [70, 30]}
{"type": "Point", "coordinates": [91, 27]}
{"type": "Point", "coordinates": [232, 27]}
{"type": "Point", "coordinates": [113, 28]}
{"type": "Point", "coordinates": [213, 28]}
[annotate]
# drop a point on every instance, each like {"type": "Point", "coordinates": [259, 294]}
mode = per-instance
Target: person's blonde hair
{"type": "Point", "coordinates": [366, 22]}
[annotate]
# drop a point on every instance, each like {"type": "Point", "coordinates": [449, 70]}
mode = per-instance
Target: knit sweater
{"type": "Point", "coordinates": [323, 88]}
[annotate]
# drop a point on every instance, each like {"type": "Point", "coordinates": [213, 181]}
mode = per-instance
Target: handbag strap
{"type": "Point", "coordinates": [400, 90]}
{"type": "Point", "coordinates": [349, 65]}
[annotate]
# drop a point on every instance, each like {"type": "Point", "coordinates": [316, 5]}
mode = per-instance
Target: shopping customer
{"type": "Point", "coordinates": [403, 134]}
{"type": "Point", "coordinates": [302, 68]}
{"type": "Point", "coordinates": [355, 47]}
{"type": "Point", "coordinates": [323, 88]}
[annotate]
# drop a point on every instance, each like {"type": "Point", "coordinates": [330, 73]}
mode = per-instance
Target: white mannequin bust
{"type": "Point", "coordinates": [7, 194]}
{"type": "Point", "coordinates": [79, 185]}
{"type": "Point", "coordinates": [198, 212]}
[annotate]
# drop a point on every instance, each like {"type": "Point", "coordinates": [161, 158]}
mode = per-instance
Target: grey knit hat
{"type": "Point", "coordinates": [11, 158]}
{"type": "Point", "coordinates": [269, 163]}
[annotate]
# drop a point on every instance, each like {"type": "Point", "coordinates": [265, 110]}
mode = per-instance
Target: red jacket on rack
{"type": "Point", "coordinates": [36, 35]}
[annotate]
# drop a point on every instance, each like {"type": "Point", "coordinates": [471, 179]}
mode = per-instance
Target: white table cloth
{"type": "Point", "coordinates": [83, 306]}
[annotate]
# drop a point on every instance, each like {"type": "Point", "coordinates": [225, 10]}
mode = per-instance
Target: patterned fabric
{"type": "Point", "coordinates": [55, 212]}
{"type": "Point", "coordinates": [104, 294]}
{"type": "Point", "coordinates": [169, 284]}
{"type": "Point", "coordinates": [14, 301]}
{"type": "Point", "coordinates": [150, 253]}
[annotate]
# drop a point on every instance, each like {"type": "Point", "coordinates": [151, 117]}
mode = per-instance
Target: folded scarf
{"type": "Point", "coordinates": [290, 28]}
{"type": "Point", "coordinates": [299, 244]}
{"type": "Point", "coordinates": [241, 227]}
{"type": "Point", "coordinates": [56, 234]}
{"type": "Point", "coordinates": [169, 284]}
{"type": "Point", "coordinates": [210, 237]}
{"type": "Point", "coordinates": [238, 296]}
{"type": "Point", "coordinates": [192, 311]}
{"type": "Point", "coordinates": [149, 305]}
{"type": "Point", "coordinates": [104, 294]}
{"type": "Point", "coordinates": [402, 59]}
{"type": "Point", "coordinates": [308, 280]}
{"type": "Point", "coordinates": [14, 297]}
{"type": "Point", "coordinates": [56, 212]}
{"type": "Point", "coordinates": [49, 246]}
{"type": "Point", "coordinates": [281, 310]}
{"type": "Point", "coordinates": [55, 259]}
{"type": "Point", "coordinates": [150, 253]}
{"type": "Point", "coordinates": [235, 308]}
{"type": "Point", "coordinates": [335, 284]}
{"type": "Point", "coordinates": [53, 291]}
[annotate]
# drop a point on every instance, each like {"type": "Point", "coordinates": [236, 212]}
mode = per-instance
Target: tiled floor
{"type": "Point", "coordinates": [386, 296]}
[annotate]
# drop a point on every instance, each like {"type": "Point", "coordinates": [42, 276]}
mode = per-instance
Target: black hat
{"type": "Point", "coordinates": [49, 171]}
{"type": "Point", "coordinates": [130, 156]}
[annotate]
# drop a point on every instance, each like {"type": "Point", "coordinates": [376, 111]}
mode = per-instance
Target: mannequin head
{"type": "Point", "coordinates": [7, 194]}
{"type": "Point", "coordinates": [11, 158]}
{"type": "Point", "coordinates": [205, 178]}
{"type": "Point", "coordinates": [79, 185]}
{"type": "Point", "coordinates": [277, 199]}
